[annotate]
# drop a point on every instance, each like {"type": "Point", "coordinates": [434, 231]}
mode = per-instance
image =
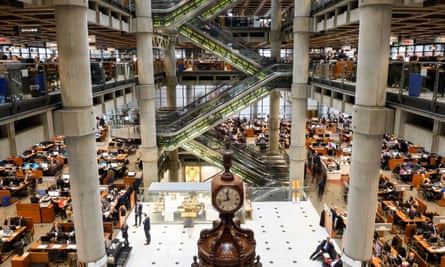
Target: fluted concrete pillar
{"type": "Point", "coordinates": [368, 124]}
{"type": "Point", "coordinates": [146, 88]}
{"type": "Point", "coordinates": [173, 166]}
{"type": "Point", "coordinates": [48, 125]}
{"type": "Point", "coordinates": [172, 81]}
{"type": "Point", "coordinates": [399, 122]}
{"type": "Point", "coordinates": [274, 122]}
{"type": "Point", "coordinates": [170, 71]}
{"type": "Point", "coordinates": [436, 136]}
{"type": "Point", "coordinates": [189, 94]}
{"type": "Point", "coordinates": [11, 138]}
{"type": "Point", "coordinates": [77, 123]}
{"type": "Point", "coordinates": [300, 72]}
{"type": "Point", "coordinates": [275, 30]}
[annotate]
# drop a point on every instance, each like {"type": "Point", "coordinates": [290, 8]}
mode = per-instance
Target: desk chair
{"type": "Point", "coordinates": [56, 256]}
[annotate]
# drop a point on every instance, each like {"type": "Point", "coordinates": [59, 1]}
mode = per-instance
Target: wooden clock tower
{"type": "Point", "coordinates": [226, 244]}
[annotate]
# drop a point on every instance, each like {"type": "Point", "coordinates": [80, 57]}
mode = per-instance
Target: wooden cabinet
{"type": "Point", "coordinates": [21, 261]}
{"type": "Point", "coordinates": [47, 214]}
{"type": "Point", "coordinates": [29, 210]}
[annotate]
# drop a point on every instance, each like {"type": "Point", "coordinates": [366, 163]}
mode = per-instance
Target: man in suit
{"type": "Point", "coordinates": [325, 246]}
{"type": "Point", "coordinates": [147, 229]}
{"type": "Point", "coordinates": [337, 262]}
{"type": "Point", "coordinates": [138, 214]}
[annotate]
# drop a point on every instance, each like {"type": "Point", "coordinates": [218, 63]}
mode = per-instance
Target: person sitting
{"type": "Point", "coordinates": [325, 246]}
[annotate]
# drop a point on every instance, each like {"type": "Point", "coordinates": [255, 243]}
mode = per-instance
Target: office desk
{"type": "Point", "coordinates": [40, 247]}
{"type": "Point", "coordinates": [10, 238]}
{"type": "Point", "coordinates": [428, 247]}
{"type": "Point", "coordinates": [399, 213]}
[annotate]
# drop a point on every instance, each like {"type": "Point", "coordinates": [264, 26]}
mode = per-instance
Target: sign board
{"type": "Point", "coordinates": [438, 219]}
{"type": "Point", "coordinates": [403, 187]}
{"type": "Point", "coordinates": [407, 42]}
{"type": "Point", "coordinates": [383, 226]}
{"type": "Point", "coordinates": [5, 40]}
{"type": "Point", "coordinates": [28, 30]}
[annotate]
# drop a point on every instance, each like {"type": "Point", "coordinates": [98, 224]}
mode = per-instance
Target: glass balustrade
{"type": "Point", "coordinates": [236, 98]}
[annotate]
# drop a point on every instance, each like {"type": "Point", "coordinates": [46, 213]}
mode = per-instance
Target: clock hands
{"type": "Point", "coordinates": [227, 196]}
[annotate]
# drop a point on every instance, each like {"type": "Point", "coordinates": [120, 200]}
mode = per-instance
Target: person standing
{"type": "Point", "coordinates": [137, 214]}
{"type": "Point", "coordinates": [147, 229]}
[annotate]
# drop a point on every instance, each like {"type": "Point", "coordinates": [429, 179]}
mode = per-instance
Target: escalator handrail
{"type": "Point", "coordinates": [184, 111]}
{"type": "Point", "coordinates": [204, 107]}
{"type": "Point", "coordinates": [262, 82]}
{"type": "Point", "coordinates": [196, 32]}
{"type": "Point", "coordinates": [171, 142]}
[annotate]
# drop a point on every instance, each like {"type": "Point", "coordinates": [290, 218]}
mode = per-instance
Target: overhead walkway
{"type": "Point", "coordinates": [194, 123]}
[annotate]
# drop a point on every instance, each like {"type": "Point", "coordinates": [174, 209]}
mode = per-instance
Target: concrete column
{"type": "Point", "coordinates": [274, 122]}
{"type": "Point", "coordinates": [275, 30]}
{"type": "Point", "coordinates": [147, 97]}
{"type": "Point", "coordinates": [11, 138]}
{"type": "Point", "coordinates": [399, 122]}
{"type": "Point", "coordinates": [368, 124]}
{"type": "Point", "coordinates": [48, 125]}
{"type": "Point", "coordinates": [300, 73]}
{"type": "Point", "coordinates": [254, 108]}
{"type": "Point", "coordinates": [436, 136]}
{"type": "Point", "coordinates": [189, 94]}
{"type": "Point", "coordinates": [173, 166]}
{"type": "Point", "coordinates": [170, 70]}
{"type": "Point", "coordinates": [172, 81]}
{"type": "Point", "coordinates": [77, 123]}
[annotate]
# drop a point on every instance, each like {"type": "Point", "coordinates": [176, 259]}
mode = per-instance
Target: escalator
{"type": "Point", "coordinates": [217, 42]}
{"type": "Point", "coordinates": [172, 16]}
{"type": "Point", "coordinates": [248, 175]}
{"type": "Point", "coordinates": [211, 113]}
{"type": "Point", "coordinates": [247, 158]}
{"type": "Point", "coordinates": [184, 18]}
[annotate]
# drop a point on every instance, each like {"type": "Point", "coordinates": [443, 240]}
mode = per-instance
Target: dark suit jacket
{"type": "Point", "coordinates": [147, 224]}
{"type": "Point", "coordinates": [338, 263]}
{"type": "Point", "coordinates": [138, 209]}
{"type": "Point", "coordinates": [330, 248]}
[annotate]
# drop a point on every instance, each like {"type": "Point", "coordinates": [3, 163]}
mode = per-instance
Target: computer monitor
{"type": "Point", "coordinates": [105, 154]}
{"type": "Point", "coordinates": [44, 165]}
{"type": "Point", "coordinates": [35, 166]}
{"type": "Point", "coordinates": [26, 165]}
{"type": "Point", "coordinates": [55, 153]}
{"type": "Point", "coordinates": [65, 176]}
{"type": "Point", "coordinates": [114, 165]}
{"type": "Point", "coordinates": [53, 193]}
{"type": "Point", "coordinates": [131, 173]}
{"type": "Point", "coordinates": [103, 164]}
{"type": "Point", "coordinates": [44, 238]}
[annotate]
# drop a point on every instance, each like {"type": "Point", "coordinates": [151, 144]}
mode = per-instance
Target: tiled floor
{"type": "Point", "coordinates": [286, 234]}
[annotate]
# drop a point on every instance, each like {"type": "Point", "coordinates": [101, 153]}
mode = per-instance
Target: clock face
{"type": "Point", "coordinates": [227, 199]}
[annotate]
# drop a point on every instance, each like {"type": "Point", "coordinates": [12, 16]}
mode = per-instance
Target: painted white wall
{"type": "Point", "coordinates": [29, 137]}
{"type": "Point", "coordinates": [120, 101]}
{"type": "Point", "coordinates": [441, 148]}
{"type": "Point", "coordinates": [109, 106]}
{"type": "Point", "coordinates": [97, 110]}
{"type": "Point", "coordinates": [336, 103]}
{"type": "Point", "coordinates": [419, 136]}
{"type": "Point", "coordinates": [4, 152]}
{"type": "Point", "coordinates": [348, 108]}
